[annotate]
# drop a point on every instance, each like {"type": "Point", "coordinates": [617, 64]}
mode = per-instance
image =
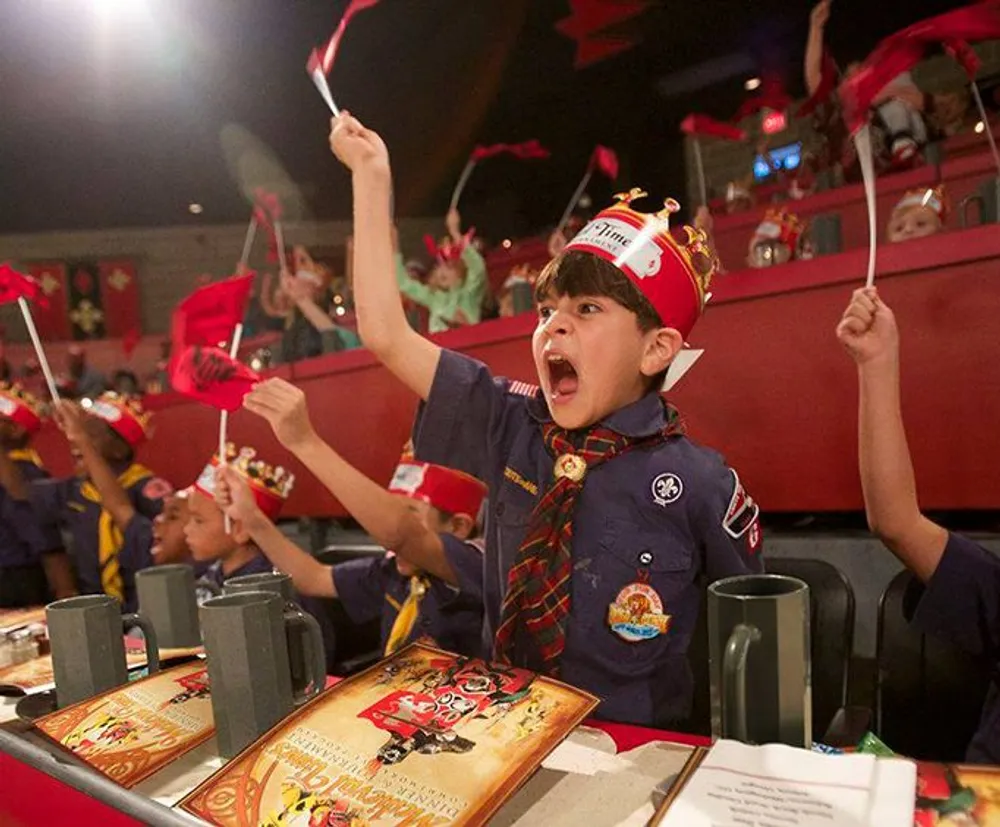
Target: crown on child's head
{"type": "Point", "coordinates": [673, 274]}
{"type": "Point", "coordinates": [125, 414]}
{"type": "Point", "coordinates": [933, 198]}
{"type": "Point", "coordinates": [22, 407]}
{"type": "Point", "coordinates": [274, 480]}
{"type": "Point", "coordinates": [780, 224]}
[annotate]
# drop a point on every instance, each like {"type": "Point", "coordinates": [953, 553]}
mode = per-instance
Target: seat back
{"type": "Point", "coordinates": [929, 694]}
{"type": "Point", "coordinates": [831, 626]}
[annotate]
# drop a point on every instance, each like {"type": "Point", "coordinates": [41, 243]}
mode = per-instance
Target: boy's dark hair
{"type": "Point", "coordinates": [121, 451]}
{"type": "Point", "coordinates": [445, 516]}
{"type": "Point", "coordinates": [582, 274]}
{"type": "Point", "coordinates": [15, 438]}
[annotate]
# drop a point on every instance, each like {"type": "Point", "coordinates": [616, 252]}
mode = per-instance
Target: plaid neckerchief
{"type": "Point", "coordinates": [538, 585]}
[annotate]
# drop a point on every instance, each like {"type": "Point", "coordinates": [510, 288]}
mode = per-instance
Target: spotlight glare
{"type": "Point", "coordinates": [507, 243]}
{"type": "Point", "coordinates": [341, 311]}
{"type": "Point", "coordinates": [195, 209]}
{"type": "Point", "coordinates": [751, 84]}
{"type": "Point", "coordinates": [980, 128]}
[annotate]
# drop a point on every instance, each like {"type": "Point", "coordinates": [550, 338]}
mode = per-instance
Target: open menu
{"type": "Point", "coordinates": [424, 737]}
{"type": "Point", "coordinates": [134, 730]}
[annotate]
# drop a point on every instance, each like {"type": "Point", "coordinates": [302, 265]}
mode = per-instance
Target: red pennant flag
{"type": "Point", "coordinates": [593, 50]}
{"type": "Point", "coordinates": [323, 59]}
{"type": "Point", "coordinates": [704, 126]}
{"type": "Point", "coordinates": [15, 285]}
{"type": "Point", "coordinates": [208, 316]}
{"type": "Point", "coordinates": [130, 341]}
{"type": "Point", "coordinates": [963, 54]}
{"type": "Point", "coordinates": [827, 83]}
{"type": "Point", "coordinates": [591, 16]}
{"type": "Point", "coordinates": [902, 51]}
{"type": "Point", "coordinates": [267, 210]}
{"type": "Point", "coordinates": [605, 161]}
{"type": "Point", "coordinates": [212, 376]}
{"type": "Point", "coordinates": [527, 151]}
{"type": "Point", "coordinates": [772, 96]}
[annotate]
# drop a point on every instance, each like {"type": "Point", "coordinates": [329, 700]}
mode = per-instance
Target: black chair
{"type": "Point", "coordinates": [928, 695]}
{"type": "Point", "coordinates": [831, 626]}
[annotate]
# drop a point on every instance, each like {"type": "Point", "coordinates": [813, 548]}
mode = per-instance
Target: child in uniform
{"type": "Point", "coordinates": [605, 520]}
{"type": "Point", "coordinates": [28, 545]}
{"type": "Point", "coordinates": [958, 596]}
{"type": "Point", "coordinates": [426, 509]}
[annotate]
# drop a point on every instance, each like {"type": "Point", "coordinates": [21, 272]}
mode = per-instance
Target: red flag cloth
{"type": "Point", "coordinates": [605, 161]}
{"type": "Point", "coordinates": [964, 55]}
{"type": "Point", "coordinates": [529, 150]}
{"type": "Point", "coordinates": [772, 96]}
{"type": "Point", "coordinates": [827, 83]}
{"type": "Point", "coordinates": [592, 50]}
{"type": "Point", "coordinates": [591, 16]}
{"type": "Point", "coordinates": [323, 59]}
{"type": "Point", "coordinates": [130, 341]}
{"type": "Point", "coordinates": [212, 376]}
{"type": "Point", "coordinates": [15, 285]}
{"type": "Point", "coordinates": [209, 314]}
{"type": "Point", "coordinates": [901, 51]}
{"type": "Point", "coordinates": [267, 210]}
{"type": "Point", "coordinates": [704, 126]}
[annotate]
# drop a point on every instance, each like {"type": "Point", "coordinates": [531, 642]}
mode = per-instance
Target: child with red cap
{"type": "Point", "coordinates": [606, 522]}
{"type": "Point", "coordinates": [29, 547]}
{"type": "Point", "coordinates": [427, 514]}
{"type": "Point", "coordinates": [105, 559]}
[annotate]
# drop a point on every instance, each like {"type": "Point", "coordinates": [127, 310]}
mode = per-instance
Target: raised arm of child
{"type": "Point", "coordinates": [114, 498]}
{"type": "Point", "coordinates": [382, 323]}
{"type": "Point", "coordinates": [868, 331]}
{"type": "Point", "coordinates": [387, 517]}
{"type": "Point", "coordinates": [235, 498]}
{"type": "Point", "coordinates": [814, 45]}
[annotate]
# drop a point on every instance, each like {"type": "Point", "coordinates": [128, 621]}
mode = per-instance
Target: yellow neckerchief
{"type": "Point", "coordinates": [25, 455]}
{"type": "Point", "coordinates": [109, 537]}
{"type": "Point", "coordinates": [407, 618]}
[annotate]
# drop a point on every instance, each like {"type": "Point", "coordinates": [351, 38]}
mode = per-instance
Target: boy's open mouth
{"type": "Point", "coordinates": [563, 379]}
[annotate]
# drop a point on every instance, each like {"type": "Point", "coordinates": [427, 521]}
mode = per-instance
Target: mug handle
{"type": "Point", "coordinates": [149, 634]}
{"type": "Point", "coordinates": [734, 680]}
{"type": "Point", "coordinates": [295, 616]}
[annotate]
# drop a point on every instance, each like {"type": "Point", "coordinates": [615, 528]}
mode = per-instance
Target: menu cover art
{"type": "Point", "coordinates": [11, 619]}
{"type": "Point", "coordinates": [37, 674]}
{"type": "Point", "coordinates": [132, 731]}
{"type": "Point", "coordinates": [425, 737]}
{"type": "Point", "coordinates": [957, 794]}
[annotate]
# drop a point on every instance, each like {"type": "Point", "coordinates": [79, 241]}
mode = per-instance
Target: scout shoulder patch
{"type": "Point", "coordinates": [742, 512]}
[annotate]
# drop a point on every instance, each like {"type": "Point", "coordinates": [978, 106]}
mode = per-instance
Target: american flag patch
{"type": "Point", "coordinates": [522, 389]}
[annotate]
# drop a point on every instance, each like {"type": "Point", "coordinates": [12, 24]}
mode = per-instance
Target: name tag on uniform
{"type": "Point", "coordinates": [637, 613]}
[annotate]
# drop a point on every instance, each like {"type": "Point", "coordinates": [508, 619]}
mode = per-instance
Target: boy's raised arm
{"type": "Point", "coordinates": [382, 323]}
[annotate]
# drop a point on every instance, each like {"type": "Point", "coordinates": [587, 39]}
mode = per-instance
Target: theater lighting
{"type": "Point", "coordinates": [341, 311]}
{"type": "Point", "coordinates": [195, 209]}
{"type": "Point", "coordinates": [751, 84]}
{"type": "Point", "coordinates": [256, 364]}
{"type": "Point", "coordinates": [980, 127]}
{"type": "Point", "coordinates": [86, 403]}
{"type": "Point", "coordinates": [338, 299]}
{"type": "Point", "coordinates": [506, 244]}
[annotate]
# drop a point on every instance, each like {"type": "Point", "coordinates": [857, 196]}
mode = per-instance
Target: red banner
{"type": "Point", "coordinates": [52, 321]}
{"type": "Point", "coordinates": [120, 297]}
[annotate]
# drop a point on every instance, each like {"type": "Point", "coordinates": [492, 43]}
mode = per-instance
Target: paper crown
{"type": "Point", "coordinates": [448, 490]}
{"type": "Point", "coordinates": [447, 251]}
{"type": "Point", "coordinates": [125, 414]}
{"type": "Point", "coordinates": [780, 225]}
{"type": "Point", "coordinates": [673, 275]}
{"type": "Point", "coordinates": [270, 485]}
{"type": "Point", "coordinates": [21, 407]}
{"type": "Point", "coordinates": [933, 198]}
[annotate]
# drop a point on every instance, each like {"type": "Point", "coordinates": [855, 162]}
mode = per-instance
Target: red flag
{"type": "Point", "coordinates": [210, 313]}
{"type": "Point", "coordinates": [772, 96]}
{"type": "Point", "coordinates": [529, 150]}
{"type": "Point", "coordinates": [592, 50]}
{"type": "Point", "coordinates": [964, 55]}
{"type": "Point", "coordinates": [591, 16]}
{"type": "Point", "coordinates": [212, 376]}
{"type": "Point", "coordinates": [605, 161]}
{"type": "Point", "coordinates": [704, 126]}
{"type": "Point", "coordinates": [827, 83]}
{"type": "Point", "coordinates": [15, 285]}
{"type": "Point", "coordinates": [323, 59]}
{"type": "Point", "coordinates": [130, 341]}
{"type": "Point", "coordinates": [267, 210]}
{"type": "Point", "coordinates": [902, 51]}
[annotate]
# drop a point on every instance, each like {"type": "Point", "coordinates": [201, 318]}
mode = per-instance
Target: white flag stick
{"type": "Point", "coordinates": [863, 144]}
{"type": "Point", "coordinates": [700, 166]}
{"type": "Point", "coordinates": [279, 239]}
{"type": "Point", "coordinates": [986, 123]}
{"type": "Point", "coordinates": [324, 90]}
{"type": "Point", "coordinates": [234, 348]}
{"type": "Point", "coordinates": [463, 179]}
{"type": "Point", "coordinates": [33, 333]}
{"type": "Point", "coordinates": [575, 199]}
{"type": "Point", "coordinates": [248, 241]}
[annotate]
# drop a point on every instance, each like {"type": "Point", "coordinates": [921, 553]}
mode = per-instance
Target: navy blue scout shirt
{"type": "Point", "coordinates": [961, 602]}
{"type": "Point", "coordinates": [65, 501]}
{"type": "Point", "coordinates": [210, 583]}
{"type": "Point", "coordinates": [672, 516]}
{"type": "Point", "coordinates": [24, 535]}
{"type": "Point", "coordinates": [453, 618]}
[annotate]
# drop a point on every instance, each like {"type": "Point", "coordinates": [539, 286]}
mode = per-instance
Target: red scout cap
{"type": "Point", "coordinates": [447, 490]}
{"type": "Point", "coordinates": [673, 275]}
{"type": "Point", "coordinates": [21, 407]}
{"type": "Point", "coordinates": [125, 414]}
{"type": "Point", "coordinates": [270, 486]}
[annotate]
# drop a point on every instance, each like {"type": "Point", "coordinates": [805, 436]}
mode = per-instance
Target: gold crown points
{"type": "Point", "coordinates": [29, 400]}
{"type": "Point", "coordinates": [275, 480]}
{"type": "Point", "coordinates": [132, 404]}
